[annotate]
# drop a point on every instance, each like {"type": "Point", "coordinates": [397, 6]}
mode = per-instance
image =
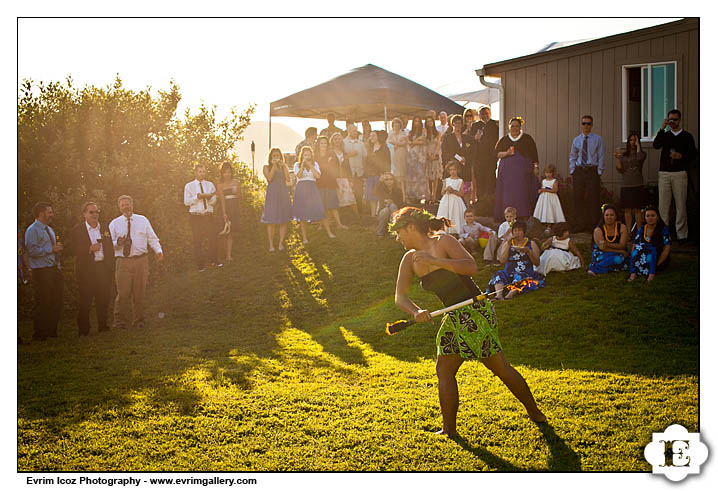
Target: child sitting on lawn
{"type": "Point", "coordinates": [495, 241]}
{"type": "Point", "coordinates": [560, 254]}
{"type": "Point", "coordinates": [471, 233]}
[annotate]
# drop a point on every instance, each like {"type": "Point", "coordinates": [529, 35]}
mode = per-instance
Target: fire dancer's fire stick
{"type": "Point", "coordinates": [394, 327]}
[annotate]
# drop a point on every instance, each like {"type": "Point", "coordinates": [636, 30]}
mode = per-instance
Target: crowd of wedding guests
{"type": "Point", "coordinates": [447, 165]}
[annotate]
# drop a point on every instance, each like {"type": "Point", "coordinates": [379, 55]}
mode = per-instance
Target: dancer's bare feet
{"type": "Point", "coordinates": [332, 236]}
{"type": "Point", "coordinates": [538, 417]}
{"type": "Point", "coordinates": [511, 294]}
{"type": "Point", "coordinates": [271, 249]}
{"type": "Point", "coordinates": [651, 277]}
{"type": "Point", "coordinates": [632, 277]}
{"type": "Point", "coordinates": [343, 227]}
{"type": "Point", "coordinates": [591, 273]}
{"type": "Point", "coordinates": [443, 432]}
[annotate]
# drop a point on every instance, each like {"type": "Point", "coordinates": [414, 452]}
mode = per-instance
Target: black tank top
{"type": "Point", "coordinates": [451, 288]}
{"type": "Point", "coordinates": [603, 232]}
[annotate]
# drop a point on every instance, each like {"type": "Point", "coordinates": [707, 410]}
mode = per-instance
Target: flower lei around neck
{"type": "Point", "coordinates": [526, 240]}
{"type": "Point", "coordinates": [415, 216]}
{"type": "Point", "coordinates": [615, 232]}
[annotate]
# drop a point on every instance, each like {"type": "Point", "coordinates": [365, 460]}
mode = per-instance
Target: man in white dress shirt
{"type": "Point", "coordinates": [132, 236]}
{"type": "Point", "coordinates": [91, 243]}
{"type": "Point", "coordinates": [201, 196]}
{"type": "Point", "coordinates": [443, 122]}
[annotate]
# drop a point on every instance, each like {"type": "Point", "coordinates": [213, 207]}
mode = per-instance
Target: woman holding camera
{"type": "Point", "coordinates": [277, 205]}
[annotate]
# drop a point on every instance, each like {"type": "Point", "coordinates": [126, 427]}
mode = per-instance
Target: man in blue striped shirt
{"type": "Point", "coordinates": [43, 248]}
{"type": "Point", "coordinates": [586, 164]}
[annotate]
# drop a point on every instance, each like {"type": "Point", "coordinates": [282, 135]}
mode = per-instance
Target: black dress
{"type": "Point", "coordinates": [231, 204]}
{"type": "Point", "coordinates": [450, 147]}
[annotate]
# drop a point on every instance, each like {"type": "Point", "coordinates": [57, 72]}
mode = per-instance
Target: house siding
{"type": "Point", "coordinates": [552, 91]}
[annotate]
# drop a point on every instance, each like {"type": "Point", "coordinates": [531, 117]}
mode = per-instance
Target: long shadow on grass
{"type": "Point", "coordinates": [493, 461]}
{"type": "Point", "coordinates": [562, 458]}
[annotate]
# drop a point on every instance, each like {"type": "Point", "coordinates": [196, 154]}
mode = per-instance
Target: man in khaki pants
{"type": "Point", "coordinates": [131, 236]}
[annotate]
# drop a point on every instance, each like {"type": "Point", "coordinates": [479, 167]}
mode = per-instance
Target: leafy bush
{"type": "Point", "coordinates": [97, 143]}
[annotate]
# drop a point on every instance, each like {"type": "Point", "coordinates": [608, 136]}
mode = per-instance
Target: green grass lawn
{"type": "Point", "coordinates": [280, 362]}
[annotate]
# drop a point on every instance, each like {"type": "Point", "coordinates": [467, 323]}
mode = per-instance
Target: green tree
{"type": "Point", "coordinates": [96, 143]}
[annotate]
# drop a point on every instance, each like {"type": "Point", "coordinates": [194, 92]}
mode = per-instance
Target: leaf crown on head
{"type": "Point", "coordinates": [417, 215]}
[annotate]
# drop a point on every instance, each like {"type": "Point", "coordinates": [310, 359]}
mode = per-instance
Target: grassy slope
{"type": "Point", "coordinates": [279, 362]}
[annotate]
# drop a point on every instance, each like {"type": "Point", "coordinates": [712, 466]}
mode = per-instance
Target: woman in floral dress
{"type": "Point", "coordinates": [651, 246]}
{"type": "Point", "coordinates": [416, 183]}
{"type": "Point", "coordinates": [433, 150]}
{"type": "Point", "coordinates": [520, 255]}
{"type": "Point", "coordinates": [345, 193]}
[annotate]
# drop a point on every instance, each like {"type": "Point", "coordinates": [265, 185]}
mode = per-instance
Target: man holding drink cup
{"type": "Point", "coordinates": [678, 151]}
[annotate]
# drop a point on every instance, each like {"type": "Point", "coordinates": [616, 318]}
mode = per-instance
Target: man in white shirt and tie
{"type": "Point", "coordinates": [201, 196]}
{"type": "Point", "coordinates": [132, 236]}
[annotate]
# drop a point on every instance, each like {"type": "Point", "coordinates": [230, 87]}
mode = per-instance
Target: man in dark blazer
{"type": "Point", "coordinates": [92, 245]}
{"type": "Point", "coordinates": [486, 131]}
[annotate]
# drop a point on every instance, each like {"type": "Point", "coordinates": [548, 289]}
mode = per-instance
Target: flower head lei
{"type": "Point", "coordinates": [519, 119]}
{"type": "Point", "coordinates": [414, 216]}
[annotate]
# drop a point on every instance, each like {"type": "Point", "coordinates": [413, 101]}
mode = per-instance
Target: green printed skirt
{"type": "Point", "coordinates": [471, 332]}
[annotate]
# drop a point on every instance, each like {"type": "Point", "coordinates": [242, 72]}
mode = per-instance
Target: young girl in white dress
{"type": "Point", "coordinates": [452, 204]}
{"type": "Point", "coordinates": [548, 206]}
{"type": "Point", "coordinates": [560, 254]}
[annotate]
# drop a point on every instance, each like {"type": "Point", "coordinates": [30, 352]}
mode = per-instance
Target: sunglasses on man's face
{"type": "Point", "coordinates": [94, 212]}
{"type": "Point", "coordinates": [586, 123]}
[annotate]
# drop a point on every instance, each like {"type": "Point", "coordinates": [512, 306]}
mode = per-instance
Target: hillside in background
{"type": "Point", "coordinates": [282, 136]}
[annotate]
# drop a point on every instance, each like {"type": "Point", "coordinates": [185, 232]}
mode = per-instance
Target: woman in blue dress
{"type": "Point", "coordinates": [520, 255]}
{"type": "Point", "coordinates": [277, 205]}
{"type": "Point", "coordinates": [610, 237]}
{"type": "Point", "coordinates": [308, 205]}
{"type": "Point", "coordinates": [651, 246]}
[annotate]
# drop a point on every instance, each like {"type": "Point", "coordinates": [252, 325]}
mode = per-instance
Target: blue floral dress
{"type": "Point", "coordinates": [518, 267]}
{"type": "Point", "coordinates": [607, 261]}
{"type": "Point", "coordinates": [645, 254]}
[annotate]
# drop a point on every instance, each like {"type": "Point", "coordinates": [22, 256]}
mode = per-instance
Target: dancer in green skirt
{"type": "Point", "coordinates": [444, 267]}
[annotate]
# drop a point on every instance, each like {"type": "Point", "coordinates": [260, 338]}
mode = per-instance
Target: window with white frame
{"type": "Point", "coordinates": [649, 92]}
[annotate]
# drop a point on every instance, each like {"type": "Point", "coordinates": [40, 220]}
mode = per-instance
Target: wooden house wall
{"type": "Point", "coordinates": [552, 96]}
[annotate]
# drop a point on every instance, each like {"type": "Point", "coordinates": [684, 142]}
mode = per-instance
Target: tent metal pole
{"type": "Point", "coordinates": [270, 128]}
{"type": "Point", "coordinates": [386, 120]}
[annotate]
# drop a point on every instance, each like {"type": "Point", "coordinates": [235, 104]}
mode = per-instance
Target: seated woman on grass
{"type": "Point", "coordinates": [609, 244]}
{"type": "Point", "coordinates": [651, 246]}
{"type": "Point", "coordinates": [470, 332]}
{"type": "Point", "coordinates": [520, 255]}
